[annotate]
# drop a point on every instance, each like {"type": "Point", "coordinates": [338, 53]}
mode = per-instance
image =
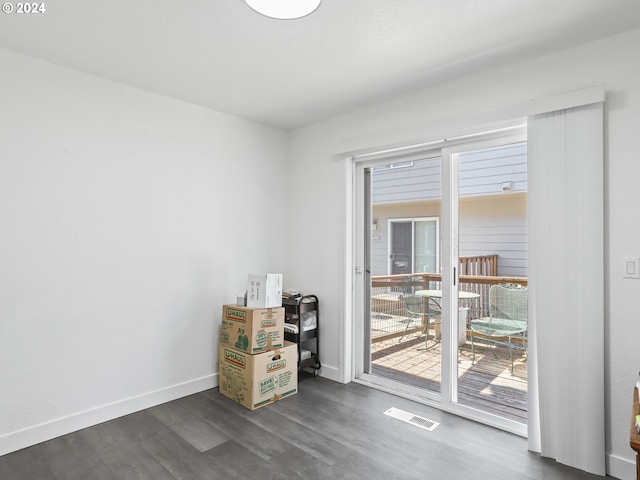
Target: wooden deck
{"type": "Point", "coordinates": [486, 385]}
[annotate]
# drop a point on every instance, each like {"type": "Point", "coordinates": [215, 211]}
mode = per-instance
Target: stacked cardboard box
{"type": "Point", "coordinates": [252, 330]}
{"type": "Point", "coordinates": [257, 367]}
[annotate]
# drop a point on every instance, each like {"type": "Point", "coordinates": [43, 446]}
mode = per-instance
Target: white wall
{"type": "Point", "coordinates": [322, 232]}
{"type": "Point", "coordinates": [127, 220]}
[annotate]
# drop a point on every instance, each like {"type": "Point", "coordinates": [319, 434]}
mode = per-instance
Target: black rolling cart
{"type": "Point", "coordinates": [302, 322]}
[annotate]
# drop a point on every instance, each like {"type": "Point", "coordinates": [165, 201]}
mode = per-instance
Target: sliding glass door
{"type": "Point", "coordinates": [492, 254]}
{"type": "Point", "coordinates": [436, 233]}
{"type": "Point", "coordinates": [402, 241]}
{"type": "Point", "coordinates": [488, 242]}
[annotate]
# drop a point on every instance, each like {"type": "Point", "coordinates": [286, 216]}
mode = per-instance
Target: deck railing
{"type": "Point", "coordinates": [388, 311]}
{"type": "Point", "coordinates": [479, 265]}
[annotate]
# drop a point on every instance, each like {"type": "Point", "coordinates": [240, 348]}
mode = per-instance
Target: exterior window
{"type": "Point", "coordinates": [413, 245]}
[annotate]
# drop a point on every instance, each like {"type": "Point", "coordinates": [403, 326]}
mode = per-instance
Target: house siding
{"type": "Point", "coordinates": [421, 181]}
{"type": "Point", "coordinates": [491, 221]}
{"type": "Point", "coordinates": [496, 225]}
{"type": "Point", "coordinates": [483, 172]}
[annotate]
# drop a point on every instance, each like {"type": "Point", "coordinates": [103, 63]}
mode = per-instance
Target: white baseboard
{"type": "Point", "coordinates": [35, 434]}
{"type": "Point", "coordinates": [622, 468]}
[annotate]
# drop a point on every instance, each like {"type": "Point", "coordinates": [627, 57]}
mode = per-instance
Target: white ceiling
{"type": "Point", "coordinates": [348, 54]}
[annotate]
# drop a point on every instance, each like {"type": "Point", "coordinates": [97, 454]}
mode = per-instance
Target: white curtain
{"type": "Point", "coordinates": [566, 286]}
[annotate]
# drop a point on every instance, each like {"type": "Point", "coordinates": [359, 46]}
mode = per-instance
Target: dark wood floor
{"type": "Point", "coordinates": [326, 431]}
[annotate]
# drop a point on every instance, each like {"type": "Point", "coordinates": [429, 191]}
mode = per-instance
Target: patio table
{"type": "Point", "coordinates": [437, 294]}
{"type": "Point", "coordinates": [462, 295]}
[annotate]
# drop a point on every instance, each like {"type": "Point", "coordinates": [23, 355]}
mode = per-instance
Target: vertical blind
{"type": "Point", "coordinates": [566, 292]}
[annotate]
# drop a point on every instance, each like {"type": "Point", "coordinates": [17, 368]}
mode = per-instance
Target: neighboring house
{"type": "Point", "coordinates": [406, 202]}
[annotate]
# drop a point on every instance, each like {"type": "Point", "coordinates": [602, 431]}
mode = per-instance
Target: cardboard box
{"type": "Point", "coordinates": [264, 290]}
{"type": "Point", "coordinates": [252, 330]}
{"type": "Point", "coordinates": [258, 380]}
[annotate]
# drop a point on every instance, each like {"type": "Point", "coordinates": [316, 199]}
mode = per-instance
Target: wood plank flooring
{"type": "Point", "coordinates": [487, 384]}
{"type": "Point", "coordinates": [326, 431]}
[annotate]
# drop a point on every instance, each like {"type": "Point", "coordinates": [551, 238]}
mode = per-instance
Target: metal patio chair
{"type": "Point", "coordinates": [421, 308]}
{"type": "Point", "coordinates": [507, 319]}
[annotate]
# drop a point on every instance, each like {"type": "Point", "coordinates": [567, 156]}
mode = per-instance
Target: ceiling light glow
{"type": "Point", "coordinates": [284, 9]}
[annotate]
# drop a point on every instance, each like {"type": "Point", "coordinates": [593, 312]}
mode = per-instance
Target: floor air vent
{"type": "Point", "coordinates": [415, 420]}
